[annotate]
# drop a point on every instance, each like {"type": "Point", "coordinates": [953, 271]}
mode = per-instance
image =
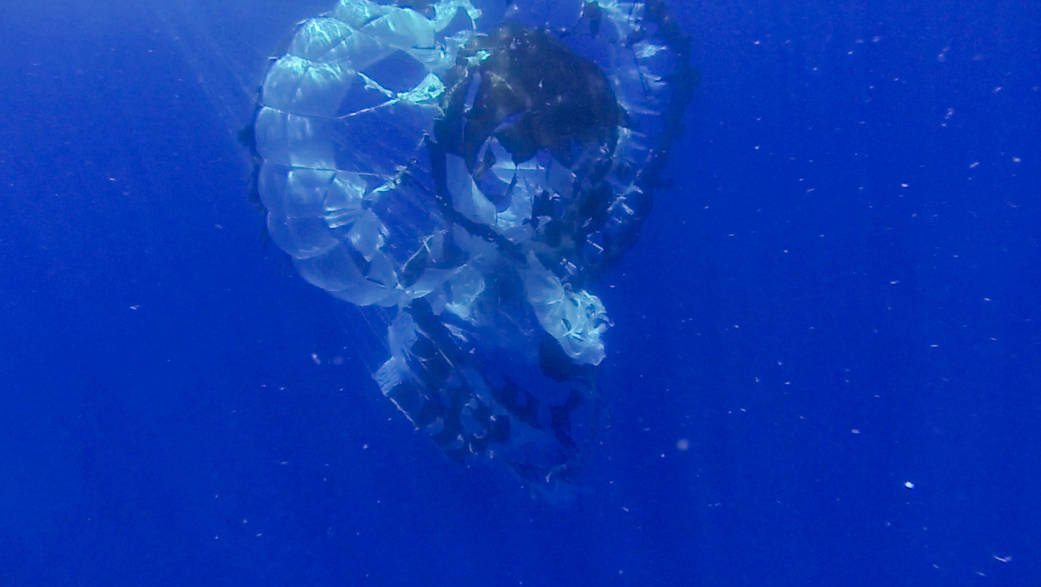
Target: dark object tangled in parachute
{"type": "Point", "coordinates": [506, 181]}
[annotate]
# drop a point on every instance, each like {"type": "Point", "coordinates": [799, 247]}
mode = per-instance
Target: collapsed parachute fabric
{"type": "Point", "coordinates": [473, 167]}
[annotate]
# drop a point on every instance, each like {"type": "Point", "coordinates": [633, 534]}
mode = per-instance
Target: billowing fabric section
{"type": "Point", "coordinates": [474, 166]}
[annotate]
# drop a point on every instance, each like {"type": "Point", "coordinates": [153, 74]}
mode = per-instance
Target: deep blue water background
{"type": "Point", "coordinates": [835, 304]}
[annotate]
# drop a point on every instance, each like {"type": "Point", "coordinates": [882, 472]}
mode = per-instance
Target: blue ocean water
{"type": "Point", "coordinates": [825, 364]}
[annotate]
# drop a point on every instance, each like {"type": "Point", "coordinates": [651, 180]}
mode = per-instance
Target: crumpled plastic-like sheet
{"type": "Point", "coordinates": [474, 166]}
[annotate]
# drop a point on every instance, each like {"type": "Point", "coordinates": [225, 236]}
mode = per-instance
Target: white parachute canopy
{"type": "Point", "coordinates": [473, 166]}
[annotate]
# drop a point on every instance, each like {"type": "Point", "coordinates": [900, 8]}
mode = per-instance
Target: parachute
{"type": "Point", "coordinates": [473, 167]}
